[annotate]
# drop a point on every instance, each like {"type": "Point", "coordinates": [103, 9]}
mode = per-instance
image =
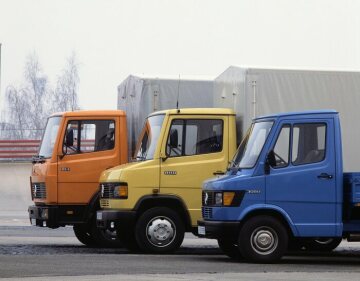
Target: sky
{"type": "Point", "coordinates": [115, 38]}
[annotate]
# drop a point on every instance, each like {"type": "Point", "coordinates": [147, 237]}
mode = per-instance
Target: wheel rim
{"type": "Point", "coordinates": [264, 240]}
{"type": "Point", "coordinates": [160, 231]}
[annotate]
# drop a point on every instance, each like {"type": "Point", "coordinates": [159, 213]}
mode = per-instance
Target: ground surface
{"type": "Point", "coordinates": [43, 254]}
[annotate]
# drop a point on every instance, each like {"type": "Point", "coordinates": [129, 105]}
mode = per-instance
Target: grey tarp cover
{"type": "Point", "coordinates": [254, 92]}
{"type": "Point", "coordinates": [140, 96]}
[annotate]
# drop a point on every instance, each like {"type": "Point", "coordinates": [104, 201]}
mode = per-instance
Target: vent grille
{"type": "Point", "coordinates": [38, 190]}
{"type": "Point", "coordinates": [207, 213]}
{"type": "Point", "coordinates": [104, 203]}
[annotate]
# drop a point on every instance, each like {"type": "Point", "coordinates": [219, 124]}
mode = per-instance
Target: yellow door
{"type": "Point", "coordinates": [195, 147]}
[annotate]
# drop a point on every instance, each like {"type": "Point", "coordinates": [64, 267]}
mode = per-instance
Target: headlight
{"type": "Point", "coordinates": [118, 190]}
{"type": "Point", "coordinates": [218, 198]}
{"type": "Point", "coordinates": [222, 198]}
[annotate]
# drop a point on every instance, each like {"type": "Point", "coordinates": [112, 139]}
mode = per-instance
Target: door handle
{"type": "Point", "coordinates": [218, 173]}
{"type": "Point", "coordinates": [325, 176]}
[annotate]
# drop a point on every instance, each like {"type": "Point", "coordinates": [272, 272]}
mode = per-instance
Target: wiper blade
{"type": "Point", "coordinates": [142, 158]}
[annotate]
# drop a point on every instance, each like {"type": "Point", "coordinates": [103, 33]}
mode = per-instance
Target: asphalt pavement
{"type": "Point", "coordinates": [43, 254]}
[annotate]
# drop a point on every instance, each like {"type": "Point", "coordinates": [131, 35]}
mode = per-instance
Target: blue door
{"type": "Point", "coordinates": [302, 175]}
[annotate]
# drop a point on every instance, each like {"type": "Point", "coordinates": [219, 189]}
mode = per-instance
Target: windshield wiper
{"type": "Point", "coordinates": [38, 159]}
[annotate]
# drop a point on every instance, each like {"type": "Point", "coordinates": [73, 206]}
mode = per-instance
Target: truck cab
{"type": "Point", "coordinates": [76, 147]}
{"type": "Point", "coordinates": [155, 199]}
{"type": "Point", "coordinates": [285, 184]}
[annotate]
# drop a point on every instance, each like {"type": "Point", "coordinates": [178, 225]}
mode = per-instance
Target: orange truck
{"type": "Point", "coordinates": [75, 149]}
{"type": "Point", "coordinates": [77, 146]}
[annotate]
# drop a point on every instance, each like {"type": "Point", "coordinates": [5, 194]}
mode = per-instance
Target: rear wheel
{"type": "Point", "coordinates": [263, 239]}
{"type": "Point", "coordinates": [159, 230]}
{"type": "Point", "coordinates": [323, 244]}
{"type": "Point", "coordinates": [230, 248]}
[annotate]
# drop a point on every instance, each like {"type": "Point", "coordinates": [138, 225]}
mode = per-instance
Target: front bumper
{"type": "Point", "coordinates": [218, 229]}
{"type": "Point", "coordinates": [104, 218]}
{"type": "Point", "coordinates": [46, 216]}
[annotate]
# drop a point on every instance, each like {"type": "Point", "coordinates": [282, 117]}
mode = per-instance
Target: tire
{"type": "Point", "coordinates": [126, 236]}
{"type": "Point", "coordinates": [159, 230]}
{"type": "Point", "coordinates": [263, 239]}
{"type": "Point", "coordinates": [83, 234]}
{"type": "Point", "coordinates": [230, 248]}
{"type": "Point", "coordinates": [323, 244]}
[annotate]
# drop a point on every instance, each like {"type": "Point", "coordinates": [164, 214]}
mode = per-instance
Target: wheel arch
{"type": "Point", "coordinates": [172, 202]}
{"type": "Point", "coordinates": [272, 211]}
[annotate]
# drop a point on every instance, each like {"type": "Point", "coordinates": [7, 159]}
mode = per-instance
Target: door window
{"type": "Point", "coordinates": [89, 136]}
{"type": "Point", "coordinates": [309, 143]}
{"type": "Point", "coordinates": [281, 148]}
{"type": "Point", "coordinates": [194, 136]}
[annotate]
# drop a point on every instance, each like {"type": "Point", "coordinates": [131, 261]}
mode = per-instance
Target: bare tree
{"type": "Point", "coordinates": [29, 106]}
{"type": "Point", "coordinates": [66, 92]}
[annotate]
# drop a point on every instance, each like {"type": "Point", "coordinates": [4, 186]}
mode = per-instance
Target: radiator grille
{"type": "Point", "coordinates": [38, 190]}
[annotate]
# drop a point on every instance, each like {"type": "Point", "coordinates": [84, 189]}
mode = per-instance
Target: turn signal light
{"type": "Point", "coordinates": [228, 198]}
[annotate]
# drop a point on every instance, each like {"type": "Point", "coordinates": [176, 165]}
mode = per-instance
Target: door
{"type": "Point", "coordinates": [89, 147]}
{"type": "Point", "coordinates": [302, 176]}
{"type": "Point", "coordinates": [195, 149]}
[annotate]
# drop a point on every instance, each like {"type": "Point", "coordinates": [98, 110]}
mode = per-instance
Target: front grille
{"type": "Point", "coordinates": [38, 190]}
{"type": "Point", "coordinates": [207, 212]}
{"type": "Point", "coordinates": [107, 190]}
{"type": "Point", "coordinates": [208, 198]}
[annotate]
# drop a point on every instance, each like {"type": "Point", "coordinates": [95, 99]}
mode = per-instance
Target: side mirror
{"type": "Point", "coordinates": [174, 141]}
{"type": "Point", "coordinates": [69, 138]}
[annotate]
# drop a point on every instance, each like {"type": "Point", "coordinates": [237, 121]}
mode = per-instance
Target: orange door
{"type": "Point", "coordinates": [89, 146]}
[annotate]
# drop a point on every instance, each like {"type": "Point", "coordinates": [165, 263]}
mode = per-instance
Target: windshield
{"type": "Point", "coordinates": [149, 137]}
{"type": "Point", "coordinates": [252, 144]}
{"type": "Point", "coordinates": [49, 137]}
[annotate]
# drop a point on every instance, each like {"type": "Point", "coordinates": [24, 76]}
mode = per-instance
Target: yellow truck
{"type": "Point", "coordinates": [154, 200]}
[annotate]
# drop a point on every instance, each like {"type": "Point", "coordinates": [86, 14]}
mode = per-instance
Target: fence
{"type": "Point", "coordinates": [18, 150]}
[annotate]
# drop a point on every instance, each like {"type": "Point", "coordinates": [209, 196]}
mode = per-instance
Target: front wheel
{"type": "Point", "coordinates": [159, 230]}
{"type": "Point", "coordinates": [263, 239]}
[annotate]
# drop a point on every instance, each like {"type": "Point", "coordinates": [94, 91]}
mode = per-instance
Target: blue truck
{"type": "Point", "coordinates": [284, 189]}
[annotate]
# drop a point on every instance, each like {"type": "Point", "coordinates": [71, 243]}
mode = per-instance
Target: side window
{"type": "Point", "coordinates": [309, 143]}
{"type": "Point", "coordinates": [89, 136]}
{"type": "Point", "coordinates": [194, 136]}
{"type": "Point", "coordinates": [175, 140]}
{"type": "Point", "coordinates": [280, 157]}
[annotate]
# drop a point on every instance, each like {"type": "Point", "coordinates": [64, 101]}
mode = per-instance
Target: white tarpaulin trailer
{"type": "Point", "coordinates": [140, 96]}
{"type": "Point", "coordinates": [253, 92]}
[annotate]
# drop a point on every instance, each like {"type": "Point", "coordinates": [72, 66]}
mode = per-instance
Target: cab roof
{"type": "Point", "coordinates": [196, 111]}
{"type": "Point", "coordinates": [297, 113]}
{"type": "Point", "coordinates": [90, 113]}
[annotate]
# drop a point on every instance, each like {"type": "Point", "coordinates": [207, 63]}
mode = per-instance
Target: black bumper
{"type": "Point", "coordinates": [219, 229]}
{"type": "Point", "coordinates": [105, 217]}
{"type": "Point", "coordinates": [56, 216]}
{"type": "Point", "coordinates": [44, 216]}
